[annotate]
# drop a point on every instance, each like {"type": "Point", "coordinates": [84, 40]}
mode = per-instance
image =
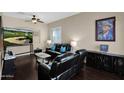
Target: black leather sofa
{"type": "Point", "coordinates": [63, 66]}
{"type": "Point", "coordinates": [83, 54]}
{"type": "Point", "coordinates": [57, 51]}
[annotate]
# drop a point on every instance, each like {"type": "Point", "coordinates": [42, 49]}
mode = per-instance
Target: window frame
{"type": "Point", "coordinates": [55, 29]}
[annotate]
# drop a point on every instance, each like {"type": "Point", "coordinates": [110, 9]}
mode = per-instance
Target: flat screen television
{"type": "Point", "coordinates": [16, 37]}
{"type": "Point", "coordinates": [104, 48]}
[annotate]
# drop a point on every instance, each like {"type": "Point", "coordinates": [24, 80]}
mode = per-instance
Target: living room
{"type": "Point", "coordinates": [74, 31]}
{"type": "Point", "coordinates": [61, 46]}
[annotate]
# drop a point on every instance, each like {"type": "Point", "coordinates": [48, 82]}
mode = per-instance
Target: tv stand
{"type": "Point", "coordinates": [106, 61]}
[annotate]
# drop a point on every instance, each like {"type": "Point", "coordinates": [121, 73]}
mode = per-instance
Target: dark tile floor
{"type": "Point", "coordinates": [26, 69]}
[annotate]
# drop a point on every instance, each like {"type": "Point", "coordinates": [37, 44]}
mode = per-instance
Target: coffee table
{"type": "Point", "coordinates": [42, 55]}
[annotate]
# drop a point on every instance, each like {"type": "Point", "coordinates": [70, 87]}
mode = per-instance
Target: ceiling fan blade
{"type": "Point", "coordinates": [34, 20]}
{"type": "Point", "coordinates": [38, 20]}
{"type": "Point", "coordinates": [41, 21]}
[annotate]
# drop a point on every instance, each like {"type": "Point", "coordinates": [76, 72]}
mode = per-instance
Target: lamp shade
{"type": "Point", "coordinates": [34, 21]}
{"type": "Point", "coordinates": [49, 42]}
{"type": "Point", "coordinates": [73, 43]}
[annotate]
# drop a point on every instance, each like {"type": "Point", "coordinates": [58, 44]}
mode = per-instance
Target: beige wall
{"type": "Point", "coordinates": [81, 27]}
{"type": "Point", "coordinates": [40, 32]}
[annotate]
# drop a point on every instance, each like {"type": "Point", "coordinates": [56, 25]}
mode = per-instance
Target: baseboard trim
{"type": "Point", "coordinates": [22, 54]}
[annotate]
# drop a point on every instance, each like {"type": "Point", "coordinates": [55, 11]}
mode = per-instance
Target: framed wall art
{"type": "Point", "coordinates": [105, 29]}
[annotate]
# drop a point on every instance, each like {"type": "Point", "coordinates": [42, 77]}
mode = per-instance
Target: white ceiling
{"type": "Point", "coordinates": [46, 17]}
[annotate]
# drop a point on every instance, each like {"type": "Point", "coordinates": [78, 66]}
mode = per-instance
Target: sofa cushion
{"type": "Point", "coordinates": [56, 52]}
{"type": "Point", "coordinates": [68, 47]}
{"type": "Point", "coordinates": [58, 46]}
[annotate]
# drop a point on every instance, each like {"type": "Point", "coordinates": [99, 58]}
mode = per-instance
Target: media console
{"type": "Point", "coordinates": [106, 61]}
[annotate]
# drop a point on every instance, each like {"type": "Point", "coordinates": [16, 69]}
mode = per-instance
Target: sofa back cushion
{"type": "Point", "coordinates": [58, 46]}
{"type": "Point", "coordinates": [59, 58]}
{"type": "Point", "coordinates": [66, 45]}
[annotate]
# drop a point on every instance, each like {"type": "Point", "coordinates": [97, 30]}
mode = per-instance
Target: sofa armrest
{"type": "Point", "coordinates": [43, 72]}
{"type": "Point", "coordinates": [53, 53]}
{"type": "Point", "coordinates": [57, 53]}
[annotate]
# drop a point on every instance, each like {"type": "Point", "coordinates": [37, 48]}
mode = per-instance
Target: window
{"type": "Point", "coordinates": [56, 35]}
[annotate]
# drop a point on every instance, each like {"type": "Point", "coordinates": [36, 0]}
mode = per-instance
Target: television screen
{"type": "Point", "coordinates": [104, 48]}
{"type": "Point", "coordinates": [16, 37]}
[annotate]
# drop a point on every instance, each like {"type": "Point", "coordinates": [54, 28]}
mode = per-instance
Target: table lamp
{"type": "Point", "coordinates": [73, 44]}
{"type": "Point", "coordinates": [49, 42]}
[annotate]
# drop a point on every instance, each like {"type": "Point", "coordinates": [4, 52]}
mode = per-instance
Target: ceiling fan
{"type": "Point", "coordinates": [34, 20]}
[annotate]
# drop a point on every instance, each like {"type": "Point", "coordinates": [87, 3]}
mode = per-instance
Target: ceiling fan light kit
{"type": "Point", "coordinates": [34, 20]}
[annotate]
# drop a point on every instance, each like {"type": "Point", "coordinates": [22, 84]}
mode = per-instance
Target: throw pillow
{"type": "Point", "coordinates": [53, 47]}
{"type": "Point", "coordinates": [63, 49]}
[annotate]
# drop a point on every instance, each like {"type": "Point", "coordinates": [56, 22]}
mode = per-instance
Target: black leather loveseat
{"type": "Point", "coordinates": [57, 51]}
{"type": "Point", "coordinates": [63, 67]}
